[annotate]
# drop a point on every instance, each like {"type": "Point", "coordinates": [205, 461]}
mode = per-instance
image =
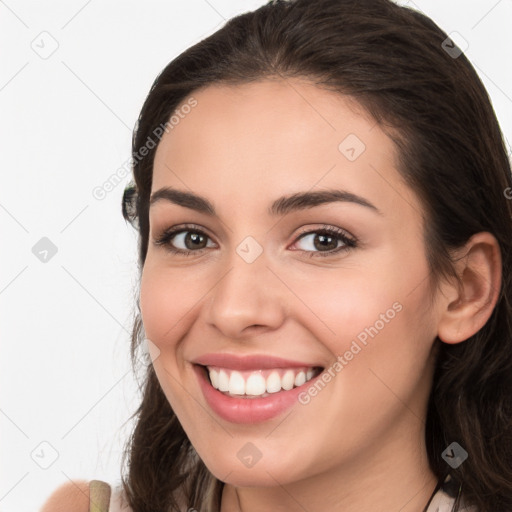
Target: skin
{"type": "Point", "coordinates": [359, 444]}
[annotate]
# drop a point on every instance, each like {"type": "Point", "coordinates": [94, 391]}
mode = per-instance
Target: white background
{"type": "Point", "coordinates": [66, 127]}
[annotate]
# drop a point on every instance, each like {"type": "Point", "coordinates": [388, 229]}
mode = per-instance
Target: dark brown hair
{"type": "Point", "coordinates": [451, 152]}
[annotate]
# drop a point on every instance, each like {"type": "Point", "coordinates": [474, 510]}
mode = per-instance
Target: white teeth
{"type": "Point", "coordinates": [223, 381]}
{"type": "Point", "coordinates": [299, 379]}
{"type": "Point", "coordinates": [273, 383]}
{"type": "Point", "coordinates": [288, 380]}
{"type": "Point", "coordinates": [236, 384]}
{"type": "Point", "coordinates": [214, 377]}
{"type": "Point", "coordinates": [254, 384]}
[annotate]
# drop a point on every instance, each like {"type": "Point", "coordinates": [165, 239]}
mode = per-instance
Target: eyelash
{"type": "Point", "coordinates": [349, 243]}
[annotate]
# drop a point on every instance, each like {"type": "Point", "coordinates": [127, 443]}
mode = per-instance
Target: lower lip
{"type": "Point", "coordinates": [248, 410]}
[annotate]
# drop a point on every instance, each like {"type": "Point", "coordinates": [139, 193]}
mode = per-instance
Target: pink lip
{"type": "Point", "coordinates": [248, 410]}
{"type": "Point", "coordinates": [254, 362]}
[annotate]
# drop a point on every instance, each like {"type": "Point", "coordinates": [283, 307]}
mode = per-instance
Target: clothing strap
{"type": "Point", "coordinates": [99, 496]}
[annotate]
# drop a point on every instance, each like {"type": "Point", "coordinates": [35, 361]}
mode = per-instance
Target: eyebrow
{"type": "Point", "coordinates": [281, 206]}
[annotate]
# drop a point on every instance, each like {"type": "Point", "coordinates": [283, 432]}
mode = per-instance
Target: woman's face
{"type": "Point", "coordinates": [263, 278]}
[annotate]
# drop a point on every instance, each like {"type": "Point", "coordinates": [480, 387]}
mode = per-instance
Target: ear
{"type": "Point", "coordinates": [467, 306]}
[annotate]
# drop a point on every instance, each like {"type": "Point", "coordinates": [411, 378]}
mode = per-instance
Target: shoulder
{"type": "Point", "coordinates": [69, 497]}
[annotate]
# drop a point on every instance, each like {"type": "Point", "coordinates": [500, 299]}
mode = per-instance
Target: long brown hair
{"type": "Point", "coordinates": [395, 62]}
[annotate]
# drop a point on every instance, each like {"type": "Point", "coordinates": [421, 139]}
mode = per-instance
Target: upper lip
{"type": "Point", "coordinates": [252, 362]}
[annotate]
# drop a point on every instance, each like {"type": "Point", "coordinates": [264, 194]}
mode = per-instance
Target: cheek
{"type": "Point", "coordinates": [153, 300]}
{"type": "Point", "coordinates": [382, 308]}
{"type": "Point", "coordinates": [341, 305]}
{"type": "Point", "coordinates": [166, 298]}
{"type": "Point", "coordinates": [164, 303]}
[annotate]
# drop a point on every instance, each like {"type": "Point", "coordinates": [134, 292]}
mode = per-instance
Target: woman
{"type": "Point", "coordinates": [322, 194]}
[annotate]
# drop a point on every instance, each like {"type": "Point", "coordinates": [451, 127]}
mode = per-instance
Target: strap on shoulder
{"type": "Point", "coordinates": [99, 496]}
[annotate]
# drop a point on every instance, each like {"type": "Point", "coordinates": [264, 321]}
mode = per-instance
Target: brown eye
{"type": "Point", "coordinates": [326, 241]}
{"type": "Point", "coordinates": [183, 241]}
{"type": "Point", "coordinates": [193, 240]}
{"type": "Point", "coordinates": [321, 241]}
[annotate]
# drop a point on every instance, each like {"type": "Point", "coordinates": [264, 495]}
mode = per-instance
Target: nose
{"type": "Point", "coordinates": [247, 298]}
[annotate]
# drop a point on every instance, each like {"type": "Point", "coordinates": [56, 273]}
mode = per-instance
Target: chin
{"type": "Point", "coordinates": [264, 472]}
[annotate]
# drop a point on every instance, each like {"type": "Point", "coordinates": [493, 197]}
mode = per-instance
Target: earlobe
{"type": "Point", "coordinates": [469, 305]}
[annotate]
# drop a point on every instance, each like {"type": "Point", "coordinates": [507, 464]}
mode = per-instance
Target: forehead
{"type": "Point", "coordinates": [282, 114]}
{"type": "Point", "coordinates": [286, 135]}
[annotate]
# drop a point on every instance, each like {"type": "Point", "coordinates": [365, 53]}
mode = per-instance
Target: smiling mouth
{"type": "Point", "coordinates": [258, 383]}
